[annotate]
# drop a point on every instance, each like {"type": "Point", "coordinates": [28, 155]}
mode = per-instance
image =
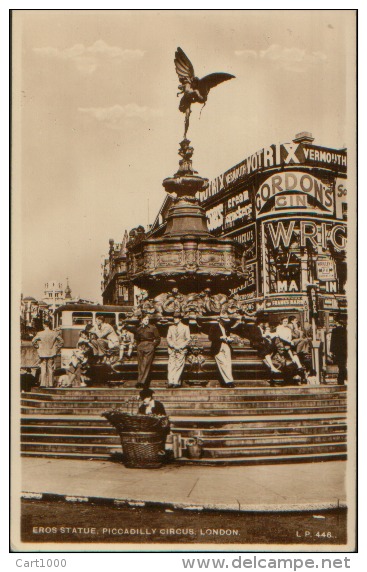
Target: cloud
{"type": "Point", "coordinates": [115, 116]}
{"type": "Point", "coordinates": [246, 54]}
{"type": "Point", "coordinates": [88, 58]}
{"type": "Point", "coordinates": [291, 59]}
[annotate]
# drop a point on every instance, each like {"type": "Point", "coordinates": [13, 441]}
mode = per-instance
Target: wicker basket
{"type": "Point", "coordinates": [142, 437]}
{"type": "Point", "coordinates": [127, 422]}
{"type": "Point", "coordinates": [142, 450]}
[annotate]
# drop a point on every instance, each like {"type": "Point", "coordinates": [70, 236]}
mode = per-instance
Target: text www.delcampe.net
{"type": "Point", "coordinates": [274, 563]}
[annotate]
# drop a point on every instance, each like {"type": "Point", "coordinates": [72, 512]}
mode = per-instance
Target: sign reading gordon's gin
{"type": "Point", "coordinates": [279, 154]}
{"type": "Point", "coordinates": [294, 190]}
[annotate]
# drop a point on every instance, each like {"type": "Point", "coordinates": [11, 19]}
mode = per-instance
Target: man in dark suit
{"type": "Point", "coordinates": [147, 339]}
{"type": "Point", "coordinates": [338, 347]}
{"type": "Point", "coordinates": [219, 335]}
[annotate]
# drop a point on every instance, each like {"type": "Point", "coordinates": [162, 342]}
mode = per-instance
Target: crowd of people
{"type": "Point", "coordinates": [284, 348]}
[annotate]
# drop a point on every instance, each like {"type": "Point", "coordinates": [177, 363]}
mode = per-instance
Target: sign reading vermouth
{"type": "Point", "coordinates": [277, 155]}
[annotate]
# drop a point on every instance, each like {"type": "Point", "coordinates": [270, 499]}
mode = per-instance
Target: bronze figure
{"type": "Point", "coordinates": [194, 90]}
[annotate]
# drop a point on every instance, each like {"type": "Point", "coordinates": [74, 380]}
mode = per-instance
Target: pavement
{"type": "Point", "coordinates": [262, 488]}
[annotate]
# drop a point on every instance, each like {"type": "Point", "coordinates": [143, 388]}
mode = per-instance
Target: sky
{"type": "Point", "coordinates": [96, 126]}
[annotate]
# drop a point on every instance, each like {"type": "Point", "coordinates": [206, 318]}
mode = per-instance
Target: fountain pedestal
{"type": "Point", "coordinates": [187, 256]}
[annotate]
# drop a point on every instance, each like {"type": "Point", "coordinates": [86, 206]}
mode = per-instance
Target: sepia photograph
{"type": "Point", "coordinates": [183, 280]}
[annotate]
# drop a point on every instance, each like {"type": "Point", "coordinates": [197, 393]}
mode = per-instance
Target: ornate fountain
{"type": "Point", "coordinates": [186, 268]}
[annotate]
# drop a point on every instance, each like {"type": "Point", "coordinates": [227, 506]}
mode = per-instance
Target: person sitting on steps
{"type": "Point", "coordinates": [126, 341]}
{"type": "Point", "coordinates": [284, 333]}
{"type": "Point", "coordinates": [105, 340]}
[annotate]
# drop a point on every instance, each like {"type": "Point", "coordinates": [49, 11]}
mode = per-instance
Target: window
{"type": "Point", "coordinates": [82, 318]}
{"type": "Point", "coordinates": [109, 317]}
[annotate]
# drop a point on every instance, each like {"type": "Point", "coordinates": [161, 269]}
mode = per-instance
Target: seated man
{"type": "Point", "coordinates": [79, 363]}
{"type": "Point", "coordinates": [268, 349]}
{"type": "Point", "coordinates": [284, 333]}
{"type": "Point", "coordinates": [282, 359]}
{"type": "Point", "coordinates": [105, 340]}
{"type": "Point", "coordinates": [64, 379]}
{"type": "Point", "coordinates": [299, 338]}
{"type": "Point", "coordinates": [83, 336]}
{"type": "Point", "coordinates": [126, 341]}
{"type": "Point", "coordinates": [27, 380]}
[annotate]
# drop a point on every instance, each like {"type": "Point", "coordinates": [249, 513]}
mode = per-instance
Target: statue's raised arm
{"type": "Point", "coordinates": [193, 89]}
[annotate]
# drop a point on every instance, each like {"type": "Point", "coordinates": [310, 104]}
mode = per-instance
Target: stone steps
{"type": "Point", "coordinates": [253, 372]}
{"type": "Point", "coordinates": [56, 428]}
{"type": "Point", "coordinates": [210, 442]}
{"type": "Point", "coordinates": [249, 450]}
{"type": "Point", "coordinates": [253, 423]}
{"type": "Point", "coordinates": [185, 395]}
{"type": "Point", "coordinates": [226, 439]}
{"type": "Point", "coordinates": [188, 391]}
{"type": "Point", "coordinates": [258, 460]}
{"type": "Point", "coordinates": [198, 408]}
{"type": "Point", "coordinates": [275, 450]}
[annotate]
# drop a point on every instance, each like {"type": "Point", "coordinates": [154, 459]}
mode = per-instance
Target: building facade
{"type": "Point", "coordinates": [287, 205]}
{"type": "Point", "coordinates": [116, 288]}
{"type": "Point", "coordinates": [55, 295]}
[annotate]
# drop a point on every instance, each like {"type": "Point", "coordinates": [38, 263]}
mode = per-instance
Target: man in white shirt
{"type": "Point", "coordinates": [178, 338]}
{"type": "Point", "coordinates": [284, 333]}
{"type": "Point", "coordinates": [107, 339]}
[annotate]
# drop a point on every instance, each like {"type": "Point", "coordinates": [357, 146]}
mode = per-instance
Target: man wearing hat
{"type": "Point", "coordinates": [149, 405]}
{"type": "Point", "coordinates": [147, 339]}
{"type": "Point", "coordinates": [219, 335]}
{"type": "Point", "coordinates": [178, 338]}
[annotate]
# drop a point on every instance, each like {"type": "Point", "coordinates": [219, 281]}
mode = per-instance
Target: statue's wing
{"type": "Point", "coordinates": [184, 67]}
{"type": "Point", "coordinates": [213, 79]}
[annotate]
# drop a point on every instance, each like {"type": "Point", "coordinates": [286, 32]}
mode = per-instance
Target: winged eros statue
{"type": "Point", "coordinates": [193, 89]}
